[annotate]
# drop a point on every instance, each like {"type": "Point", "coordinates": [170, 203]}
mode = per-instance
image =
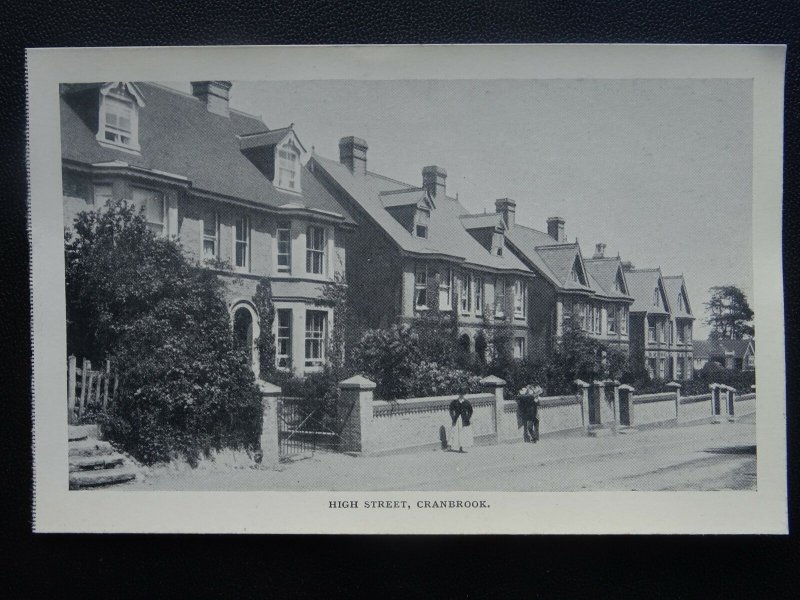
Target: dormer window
{"type": "Point", "coordinates": [118, 123]}
{"type": "Point", "coordinates": [288, 171]}
{"type": "Point", "coordinates": [577, 272]}
{"type": "Point", "coordinates": [656, 298]}
{"type": "Point", "coordinates": [422, 220]}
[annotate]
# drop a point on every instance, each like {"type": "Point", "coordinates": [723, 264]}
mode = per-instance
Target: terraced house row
{"type": "Point", "coordinates": [249, 202]}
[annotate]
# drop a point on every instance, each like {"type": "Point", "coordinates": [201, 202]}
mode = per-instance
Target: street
{"type": "Point", "coordinates": [690, 457]}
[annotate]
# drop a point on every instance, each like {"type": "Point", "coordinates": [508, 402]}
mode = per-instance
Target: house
{"type": "Point", "coordinates": [234, 192]}
{"type": "Point", "coordinates": [417, 250]}
{"type": "Point", "coordinates": [570, 291]}
{"type": "Point", "coordinates": [736, 355]}
{"type": "Point", "coordinates": [680, 333]}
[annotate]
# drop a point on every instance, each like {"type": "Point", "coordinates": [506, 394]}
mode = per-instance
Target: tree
{"type": "Point", "coordinates": [266, 318]}
{"type": "Point", "coordinates": [133, 297]}
{"type": "Point", "coordinates": [729, 313]}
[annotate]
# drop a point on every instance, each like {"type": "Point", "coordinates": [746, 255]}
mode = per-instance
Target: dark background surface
{"type": "Point", "coordinates": [457, 566]}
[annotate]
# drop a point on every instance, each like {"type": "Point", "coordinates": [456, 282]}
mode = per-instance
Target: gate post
{"type": "Point", "coordinates": [269, 445]}
{"type": "Point", "coordinates": [730, 398]}
{"type": "Point", "coordinates": [356, 395]}
{"type": "Point", "coordinates": [495, 386]}
{"type": "Point", "coordinates": [716, 409]}
{"type": "Point", "coordinates": [582, 393]}
{"type": "Point", "coordinates": [676, 387]}
{"type": "Point", "coordinates": [625, 395]}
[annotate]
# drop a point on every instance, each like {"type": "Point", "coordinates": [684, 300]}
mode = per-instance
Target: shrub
{"type": "Point", "coordinates": [184, 387]}
{"type": "Point", "coordinates": [432, 379]}
{"type": "Point", "coordinates": [388, 357]}
{"type": "Point", "coordinates": [266, 317]}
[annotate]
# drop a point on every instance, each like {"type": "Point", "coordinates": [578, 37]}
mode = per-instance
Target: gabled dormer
{"type": "Point", "coordinates": [411, 207]}
{"type": "Point", "coordinates": [577, 273]}
{"type": "Point", "coordinates": [277, 154]}
{"type": "Point", "coordinates": [488, 230]}
{"type": "Point", "coordinates": [118, 115]}
{"type": "Point", "coordinates": [619, 282]}
{"type": "Point", "coordinates": [660, 300]}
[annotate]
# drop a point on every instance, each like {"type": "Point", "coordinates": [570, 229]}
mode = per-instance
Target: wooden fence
{"type": "Point", "coordinates": [88, 390]}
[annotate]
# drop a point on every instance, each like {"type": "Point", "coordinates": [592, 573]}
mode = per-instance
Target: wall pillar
{"type": "Point", "coordinates": [625, 405]}
{"type": "Point", "coordinates": [730, 402]}
{"type": "Point", "coordinates": [356, 399]}
{"type": "Point", "coordinates": [716, 402]}
{"type": "Point", "coordinates": [497, 386]}
{"type": "Point", "coordinates": [676, 388]}
{"type": "Point", "coordinates": [582, 392]}
{"type": "Point", "coordinates": [269, 443]}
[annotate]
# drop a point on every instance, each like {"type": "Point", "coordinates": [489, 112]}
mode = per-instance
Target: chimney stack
{"type": "Point", "coordinates": [353, 154]}
{"type": "Point", "coordinates": [627, 266]}
{"type": "Point", "coordinates": [215, 95]}
{"type": "Point", "coordinates": [434, 179]}
{"type": "Point", "coordinates": [507, 208]}
{"type": "Point", "coordinates": [555, 229]}
{"type": "Point", "coordinates": [599, 250]}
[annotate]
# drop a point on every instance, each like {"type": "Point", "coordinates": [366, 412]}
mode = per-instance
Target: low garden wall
{"type": "Point", "coordinates": [654, 408]}
{"type": "Point", "coordinates": [745, 404]}
{"type": "Point", "coordinates": [695, 408]}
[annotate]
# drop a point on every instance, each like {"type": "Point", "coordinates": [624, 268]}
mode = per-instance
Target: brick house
{"type": "Point", "coordinates": [591, 295]}
{"type": "Point", "coordinates": [417, 249]}
{"type": "Point", "coordinates": [233, 192]}
{"type": "Point", "coordinates": [734, 355]}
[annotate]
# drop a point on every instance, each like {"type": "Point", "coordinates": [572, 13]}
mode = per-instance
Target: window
{"type": "Point", "coordinates": [153, 204]}
{"type": "Point", "coordinates": [519, 347]}
{"type": "Point", "coordinates": [445, 290]}
{"type": "Point", "coordinates": [241, 243]}
{"type": "Point", "coordinates": [671, 332]}
{"type": "Point", "coordinates": [520, 293]}
{"type": "Point", "coordinates": [499, 297]}
{"type": "Point", "coordinates": [611, 319]}
{"type": "Point", "coordinates": [597, 326]}
{"type": "Point", "coordinates": [118, 121]}
{"type": "Point", "coordinates": [315, 337]}
{"type": "Point", "coordinates": [579, 315]}
{"type": "Point", "coordinates": [681, 334]}
{"type": "Point", "coordinates": [464, 293]}
{"type": "Point", "coordinates": [688, 333]}
{"type": "Point", "coordinates": [680, 372]}
{"type": "Point", "coordinates": [210, 235]}
{"type": "Point", "coordinates": [662, 368]}
{"type": "Point", "coordinates": [421, 286]}
{"type": "Point", "coordinates": [284, 246]}
{"type": "Point", "coordinates": [651, 367]}
{"type": "Point", "coordinates": [315, 250]}
{"type": "Point", "coordinates": [623, 320]}
{"type": "Point", "coordinates": [681, 303]}
{"type": "Point", "coordinates": [656, 298]}
{"type": "Point", "coordinates": [422, 221]}
{"type": "Point", "coordinates": [478, 295]}
{"type": "Point", "coordinates": [283, 350]}
{"type": "Point", "coordinates": [288, 167]}
{"type": "Point", "coordinates": [651, 330]}
{"type": "Point", "coordinates": [102, 193]}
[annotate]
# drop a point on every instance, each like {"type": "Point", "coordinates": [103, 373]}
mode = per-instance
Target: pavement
{"type": "Point", "coordinates": [688, 457]}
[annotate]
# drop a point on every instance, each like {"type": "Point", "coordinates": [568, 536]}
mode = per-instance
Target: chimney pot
{"type": "Point", "coordinates": [599, 250]}
{"type": "Point", "coordinates": [215, 95]}
{"type": "Point", "coordinates": [353, 154]}
{"type": "Point", "coordinates": [434, 179]}
{"type": "Point", "coordinates": [507, 208]}
{"type": "Point", "coordinates": [555, 229]}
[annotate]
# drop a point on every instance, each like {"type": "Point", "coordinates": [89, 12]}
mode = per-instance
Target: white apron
{"type": "Point", "coordinates": [460, 435]}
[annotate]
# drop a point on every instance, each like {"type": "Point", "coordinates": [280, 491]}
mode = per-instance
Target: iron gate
{"type": "Point", "coordinates": [306, 426]}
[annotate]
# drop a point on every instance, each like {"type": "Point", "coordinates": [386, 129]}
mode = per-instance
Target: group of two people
{"type": "Point", "coordinates": [461, 414]}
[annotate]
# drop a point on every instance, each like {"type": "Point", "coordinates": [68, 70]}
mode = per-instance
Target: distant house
{"type": "Point", "coordinates": [233, 192]}
{"type": "Point", "coordinates": [417, 249]}
{"type": "Point", "coordinates": [681, 323]}
{"type": "Point", "coordinates": [735, 355]}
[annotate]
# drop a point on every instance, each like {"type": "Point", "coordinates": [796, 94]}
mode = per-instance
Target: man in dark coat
{"type": "Point", "coordinates": [529, 407]}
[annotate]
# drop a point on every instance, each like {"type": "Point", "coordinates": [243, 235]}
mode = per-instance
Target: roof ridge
{"type": "Point", "coordinates": [557, 245]}
{"type": "Point", "coordinates": [401, 191]}
{"type": "Point", "coordinates": [193, 97]}
{"type": "Point", "coordinates": [387, 178]}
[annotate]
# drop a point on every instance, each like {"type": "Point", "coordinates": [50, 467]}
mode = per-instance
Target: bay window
{"type": "Point", "coordinates": [283, 346]}
{"type": "Point", "coordinates": [478, 295]}
{"type": "Point", "coordinates": [315, 250]}
{"type": "Point", "coordinates": [446, 290]}
{"type": "Point", "coordinates": [611, 319]}
{"type": "Point", "coordinates": [464, 293]}
{"type": "Point", "coordinates": [421, 286]}
{"type": "Point", "coordinates": [315, 337]}
{"type": "Point", "coordinates": [154, 209]}
{"type": "Point", "coordinates": [520, 293]}
{"type": "Point", "coordinates": [499, 297]}
{"type": "Point", "coordinates": [623, 320]}
{"type": "Point", "coordinates": [519, 347]}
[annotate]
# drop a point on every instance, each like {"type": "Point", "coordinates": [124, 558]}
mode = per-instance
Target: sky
{"type": "Point", "coordinates": [658, 170]}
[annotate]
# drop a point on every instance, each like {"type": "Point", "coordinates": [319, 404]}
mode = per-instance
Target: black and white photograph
{"type": "Point", "coordinates": [409, 293]}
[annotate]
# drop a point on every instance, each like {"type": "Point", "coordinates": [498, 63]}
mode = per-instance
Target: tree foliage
{"type": "Point", "coordinates": [134, 298]}
{"type": "Point", "coordinates": [729, 314]}
{"type": "Point", "coordinates": [266, 318]}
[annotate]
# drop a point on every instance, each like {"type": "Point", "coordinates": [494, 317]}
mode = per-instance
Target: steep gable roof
{"type": "Point", "coordinates": [676, 287]}
{"type": "Point", "coordinates": [177, 134]}
{"type": "Point", "coordinates": [406, 197]}
{"type": "Point", "coordinates": [447, 235]}
{"type": "Point", "coordinates": [605, 272]}
{"type": "Point", "coordinates": [641, 284]}
{"type": "Point", "coordinates": [489, 220]}
{"type": "Point", "coordinates": [708, 349]}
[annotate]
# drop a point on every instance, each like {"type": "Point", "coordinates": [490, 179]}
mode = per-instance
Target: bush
{"type": "Point", "coordinates": [432, 379]}
{"type": "Point", "coordinates": [519, 373]}
{"type": "Point", "coordinates": [184, 388]}
{"type": "Point", "coordinates": [388, 357]}
{"type": "Point", "coordinates": [741, 380]}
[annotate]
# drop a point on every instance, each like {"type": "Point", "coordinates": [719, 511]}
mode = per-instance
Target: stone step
{"type": "Point", "coordinates": [82, 432]}
{"type": "Point", "coordinates": [88, 463]}
{"type": "Point", "coordinates": [103, 477]}
{"type": "Point", "coordinates": [90, 447]}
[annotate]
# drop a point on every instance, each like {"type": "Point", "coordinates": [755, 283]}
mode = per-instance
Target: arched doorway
{"type": "Point", "coordinates": [246, 332]}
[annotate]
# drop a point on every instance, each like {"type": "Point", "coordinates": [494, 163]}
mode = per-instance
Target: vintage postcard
{"type": "Point", "coordinates": [432, 289]}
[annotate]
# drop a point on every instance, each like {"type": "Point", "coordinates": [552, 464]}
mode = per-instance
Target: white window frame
{"type": "Point", "coordinates": [464, 293]}
{"type": "Point", "coordinates": [420, 286]}
{"type": "Point", "coordinates": [445, 290]}
{"type": "Point", "coordinates": [499, 297]}
{"type": "Point", "coordinates": [598, 319]}
{"type": "Point", "coordinates": [315, 253]}
{"type": "Point", "coordinates": [519, 299]}
{"type": "Point", "coordinates": [652, 330]}
{"type": "Point", "coordinates": [422, 218]}
{"type": "Point", "coordinates": [140, 203]}
{"type": "Point", "coordinates": [478, 291]}
{"type": "Point", "coordinates": [611, 319]}
{"type": "Point", "coordinates": [662, 368]}
{"type": "Point", "coordinates": [283, 360]}
{"type": "Point", "coordinates": [623, 320]}
{"type": "Point", "coordinates": [245, 242]}
{"type": "Point", "coordinates": [283, 226]}
{"type": "Point", "coordinates": [519, 347]}
{"type": "Point", "coordinates": [208, 238]}
{"type": "Point", "coordinates": [287, 176]}
{"type": "Point", "coordinates": [315, 338]}
{"type": "Point", "coordinates": [107, 101]}
{"type": "Point", "coordinates": [680, 368]}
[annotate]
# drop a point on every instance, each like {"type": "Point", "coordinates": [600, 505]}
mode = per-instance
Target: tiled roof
{"type": "Point", "coordinates": [641, 283]}
{"type": "Point", "coordinates": [482, 221]}
{"type": "Point", "coordinates": [403, 197]}
{"type": "Point", "coordinates": [178, 135]}
{"type": "Point", "coordinates": [604, 271]}
{"type": "Point", "coordinates": [674, 284]}
{"type": "Point", "coordinates": [446, 234]}
{"type": "Point", "coordinates": [713, 348]}
{"type": "Point", "coordinates": [263, 139]}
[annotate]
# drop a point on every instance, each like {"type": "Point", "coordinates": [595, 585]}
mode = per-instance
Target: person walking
{"type": "Point", "coordinates": [461, 430]}
{"type": "Point", "coordinates": [529, 405]}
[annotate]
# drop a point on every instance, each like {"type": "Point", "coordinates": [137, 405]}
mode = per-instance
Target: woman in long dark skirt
{"type": "Point", "coordinates": [461, 430]}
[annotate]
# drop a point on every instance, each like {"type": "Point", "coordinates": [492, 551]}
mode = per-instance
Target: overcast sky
{"type": "Point", "coordinates": [659, 170]}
